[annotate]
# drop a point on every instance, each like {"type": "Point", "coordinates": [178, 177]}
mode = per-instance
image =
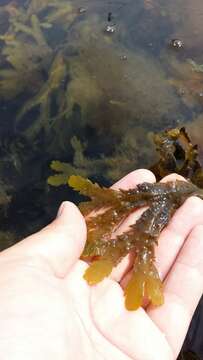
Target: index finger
{"type": "Point", "coordinates": [172, 238]}
{"type": "Point", "coordinates": [134, 178]}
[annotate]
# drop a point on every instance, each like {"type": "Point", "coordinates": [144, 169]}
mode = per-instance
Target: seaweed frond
{"type": "Point", "coordinates": [105, 212]}
{"type": "Point", "coordinates": [42, 100]}
{"type": "Point", "coordinates": [177, 155]}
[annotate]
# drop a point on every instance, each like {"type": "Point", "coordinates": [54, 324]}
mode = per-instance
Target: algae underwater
{"type": "Point", "coordinates": [84, 99]}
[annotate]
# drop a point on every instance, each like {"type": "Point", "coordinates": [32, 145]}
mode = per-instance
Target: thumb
{"type": "Point", "coordinates": [59, 244]}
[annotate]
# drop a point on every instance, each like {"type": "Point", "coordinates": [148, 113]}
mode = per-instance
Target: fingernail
{"type": "Point", "coordinates": [60, 210]}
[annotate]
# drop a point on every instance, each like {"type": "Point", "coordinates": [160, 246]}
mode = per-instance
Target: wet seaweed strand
{"type": "Point", "coordinates": [106, 211]}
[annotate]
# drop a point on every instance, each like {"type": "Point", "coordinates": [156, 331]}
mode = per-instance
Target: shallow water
{"type": "Point", "coordinates": [88, 82]}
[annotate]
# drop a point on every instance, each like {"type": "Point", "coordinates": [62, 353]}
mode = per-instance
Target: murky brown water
{"type": "Point", "coordinates": [87, 82]}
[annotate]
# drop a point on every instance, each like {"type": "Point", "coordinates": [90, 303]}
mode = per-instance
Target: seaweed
{"type": "Point", "coordinates": [174, 148]}
{"type": "Point", "coordinates": [105, 249]}
{"type": "Point", "coordinates": [91, 93]}
{"type": "Point", "coordinates": [112, 90]}
{"type": "Point", "coordinates": [27, 55]}
{"type": "Point", "coordinates": [109, 208]}
{"type": "Point", "coordinates": [23, 74]}
{"type": "Point", "coordinates": [177, 154]}
{"type": "Point", "coordinates": [37, 6]}
{"type": "Point", "coordinates": [42, 100]}
{"type": "Point", "coordinates": [64, 170]}
{"type": "Point", "coordinates": [61, 12]}
{"type": "Point", "coordinates": [115, 165]}
{"type": "Point", "coordinates": [196, 67]}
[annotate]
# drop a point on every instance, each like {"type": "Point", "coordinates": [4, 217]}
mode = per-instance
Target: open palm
{"type": "Point", "coordinates": [48, 311]}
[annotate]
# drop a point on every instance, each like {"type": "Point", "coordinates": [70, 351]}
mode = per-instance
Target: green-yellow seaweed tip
{"type": "Point", "coordinates": [72, 180]}
{"type": "Point", "coordinates": [49, 180]}
{"type": "Point", "coordinates": [97, 271]}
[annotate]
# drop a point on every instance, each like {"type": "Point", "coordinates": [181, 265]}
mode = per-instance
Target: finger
{"type": "Point", "coordinates": [133, 179]}
{"type": "Point", "coordinates": [172, 177]}
{"type": "Point", "coordinates": [59, 244]}
{"type": "Point", "coordinates": [132, 332]}
{"type": "Point", "coordinates": [173, 236]}
{"type": "Point", "coordinates": [130, 181]}
{"type": "Point", "coordinates": [79, 295]}
{"type": "Point", "coordinates": [183, 289]}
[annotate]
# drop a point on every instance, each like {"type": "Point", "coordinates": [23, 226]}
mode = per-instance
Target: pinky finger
{"type": "Point", "coordinates": [183, 290]}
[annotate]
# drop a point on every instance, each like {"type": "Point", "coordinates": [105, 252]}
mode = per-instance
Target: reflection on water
{"type": "Point", "coordinates": [86, 83]}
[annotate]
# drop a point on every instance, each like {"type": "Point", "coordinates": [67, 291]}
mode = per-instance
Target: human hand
{"type": "Point", "coordinates": [48, 311]}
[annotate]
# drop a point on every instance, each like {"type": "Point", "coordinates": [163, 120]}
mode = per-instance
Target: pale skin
{"type": "Point", "coordinates": [47, 310]}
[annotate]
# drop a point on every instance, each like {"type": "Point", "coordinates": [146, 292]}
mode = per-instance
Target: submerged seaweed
{"type": "Point", "coordinates": [42, 100]}
{"type": "Point", "coordinates": [112, 93]}
{"type": "Point", "coordinates": [27, 54]}
{"type": "Point", "coordinates": [177, 154]}
{"type": "Point", "coordinates": [120, 162]}
{"type": "Point", "coordinates": [175, 150]}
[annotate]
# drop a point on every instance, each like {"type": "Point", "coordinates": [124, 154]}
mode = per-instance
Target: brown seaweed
{"type": "Point", "coordinates": [102, 94]}
{"type": "Point", "coordinates": [43, 98]}
{"type": "Point", "coordinates": [27, 55]}
{"type": "Point", "coordinates": [134, 149]}
{"type": "Point", "coordinates": [177, 154]}
{"type": "Point", "coordinates": [106, 250]}
{"type": "Point", "coordinates": [175, 151]}
{"type": "Point", "coordinates": [103, 248]}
